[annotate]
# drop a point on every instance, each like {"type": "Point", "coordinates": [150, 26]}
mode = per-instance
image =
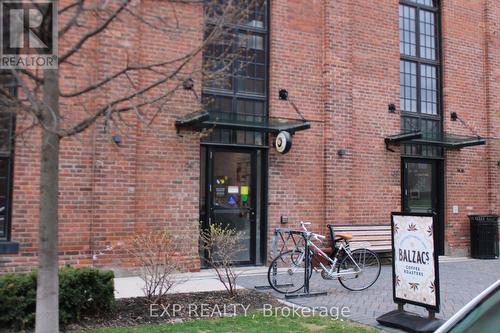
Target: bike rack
{"type": "Point", "coordinates": [277, 236]}
{"type": "Point", "coordinates": [284, 236]}
{"type": "Point", "coordinates": [307, 292]}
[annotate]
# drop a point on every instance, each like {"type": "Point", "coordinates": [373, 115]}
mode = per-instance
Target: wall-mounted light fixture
{"type": "Point", "coordinates": [188, 84]}
{"type": "Point", "coordinates": [283, 94]}
{"type": "Point", "coordinates": [454, 116]}
{"type": "Point", "coordinates": [117, 139]}
{"type": "Point", "coordinates": [342, 152]}
{"type": "Point", "coordinates": [392, 108]}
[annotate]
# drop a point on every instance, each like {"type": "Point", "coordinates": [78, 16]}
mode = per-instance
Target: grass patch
{"type": "Point", "coordinates": [253, 323]}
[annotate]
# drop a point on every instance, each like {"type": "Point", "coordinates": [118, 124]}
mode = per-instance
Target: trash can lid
{"type": "Point", "coordinates": [483, 217]}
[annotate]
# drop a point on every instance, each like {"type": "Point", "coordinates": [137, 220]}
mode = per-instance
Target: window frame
{"type": "Point", "coordinates": [422, 150]}
{"type": "Point", "coordinates": [423, 61]}
{"type": "Point", "coordinates": [234, 93]}
{"type": "Point", "coordinates": [9, 157]}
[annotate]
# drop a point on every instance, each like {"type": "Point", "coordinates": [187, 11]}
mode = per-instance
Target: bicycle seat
{"type": "Point", "coordinates": [343, 236]}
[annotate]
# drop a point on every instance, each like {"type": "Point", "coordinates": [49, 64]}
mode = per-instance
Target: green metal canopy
{"type": "Point", "coordinates": [239, 121]}
{"type": "Point", "coordinates": [440, 139]}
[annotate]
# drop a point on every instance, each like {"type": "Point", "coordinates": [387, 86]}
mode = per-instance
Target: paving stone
{"type": "Point", "coordinates": [460, 281]}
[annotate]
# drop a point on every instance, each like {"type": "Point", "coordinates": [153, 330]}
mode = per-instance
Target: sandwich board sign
{"type": "Point", "coordinates": [415, 263]}
{"type": "Point", "coordinates": [415, 271]}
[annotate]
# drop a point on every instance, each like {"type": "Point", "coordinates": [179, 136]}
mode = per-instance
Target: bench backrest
{"type": "Point", "coordinates": [374, 237]}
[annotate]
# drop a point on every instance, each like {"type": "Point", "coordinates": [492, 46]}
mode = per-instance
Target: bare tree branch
{"type": "Point", "coordinates": [37, 105]}
{"type": "Point", "coordinates": [68, 7]}
{"type": "Point", "coordinates": [128, 68]}
{"type": "Point", "coordinates": [31, 75]}
{"type": "Point", "coordinates": [73, 20]}
{"type": "Point", "coordinates": [101, 27]}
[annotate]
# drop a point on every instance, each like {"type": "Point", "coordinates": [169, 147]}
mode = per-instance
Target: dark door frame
{"type": "Point", "coordinates": [208, 214]}
{"type": "Point", "coordinates": [437, 197]}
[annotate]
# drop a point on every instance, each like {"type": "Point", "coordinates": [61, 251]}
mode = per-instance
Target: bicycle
{"type": "Point", "coordinates": [356, 269]}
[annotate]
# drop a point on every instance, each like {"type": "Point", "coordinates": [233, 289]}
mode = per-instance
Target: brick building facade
{"type": "Point", "coordinates": [342, 64]}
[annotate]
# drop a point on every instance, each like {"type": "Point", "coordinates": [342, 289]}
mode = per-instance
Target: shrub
{"type": "Point", "coordinates": [82, 292]}
{"type": "Point", "coordinates": [17, 300]}
{"type": "Point", "coordinates": [153, 252]}
{"type": "Point", "coordinates": [222, 245]}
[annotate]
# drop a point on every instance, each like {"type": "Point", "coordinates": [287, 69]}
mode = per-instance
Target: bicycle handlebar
{"type": "Point", "coordinates": [315, 235]}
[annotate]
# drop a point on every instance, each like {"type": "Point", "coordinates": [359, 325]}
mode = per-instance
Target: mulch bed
{"type": "Point", "coordinates": [178, 308]}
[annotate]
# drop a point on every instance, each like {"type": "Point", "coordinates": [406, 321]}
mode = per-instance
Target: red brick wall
{"type": "Point", "coordinates": [339, 61]}
{"type": "Point", "coordinates": [296, 180]}
{"type": "Point", "coordinates": [469, 42]}
{"type": "Point", "coordinates": [108, 192]}
{"type": "Point", "coordinates": [365, 68]}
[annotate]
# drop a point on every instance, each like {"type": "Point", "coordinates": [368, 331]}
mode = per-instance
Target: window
{"type": "Point", "coordinates": [235, 78]}
{"type": "Point", "coordinates": [6, 147]}
{"type": "Point", "coordinates": [419, 72]}
{"type": "Point", "coordinates": [408, 73]}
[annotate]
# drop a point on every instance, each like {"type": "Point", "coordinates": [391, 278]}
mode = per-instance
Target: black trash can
{"type": "Point", "coordinates": [484, 236]}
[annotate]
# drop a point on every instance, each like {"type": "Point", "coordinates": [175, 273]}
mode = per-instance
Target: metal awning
{"type": "Point", "coordinates": [239, 121]}
{"type": "Point", "coordinates": [441, 139]}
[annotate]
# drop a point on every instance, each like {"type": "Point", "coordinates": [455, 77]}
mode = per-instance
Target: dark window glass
{"type": "Point", "coordinates": [236, 78]}
{"type": "Point", "coordinates": [5, 133]}
{"type": "Point", "coordinates": [7, 82]}
{"type": "Point", "coordinates": [251, 13]}
{"type": "Point", "coordinates": [429, 3]}
{"type": "Point", "coordinates": [250, 67]}
{"type": "Point", "coordinates": [217, 60]}
{"type": "Point", "coordinates": [218, 103]}
{"type": "Point", "coordinates": [419, 73]}
{"type": "Point", "coordinates": [3, 196]}
{"type": "Point", "coordinates": [428, 89]}
{"type": "Point", "coordinates": [432, 128]}
{"type": "Point", "coordinates": [6, 138]}
{"type": "Point", "coordinates": [248, 109]}
{"type": "Point", "coordinates": [427, 35]}
{"type": "Point", "coordinates": [407, 39]}
{"type": "Point", "coordinates": [408, 86]}
{"type": "Point", "coordinates": [420, 187]}
{"type": "Point", "coordinates": [257, 14]}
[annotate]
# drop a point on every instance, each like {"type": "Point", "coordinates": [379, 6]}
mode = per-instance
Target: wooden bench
{"type": "Point", "coordinates": [374, 237]}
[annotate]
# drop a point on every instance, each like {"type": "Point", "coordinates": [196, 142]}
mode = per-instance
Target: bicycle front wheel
{"type": "Point", "coordinates": [359, 272]}
{"type": "Point", "coordinates": [286, 272]}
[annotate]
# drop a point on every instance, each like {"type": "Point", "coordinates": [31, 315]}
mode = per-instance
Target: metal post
{"type": "Point", "coordinates": [307, 268]}
{"type": "Point", "coordinates": [432, 314]}
{"type": "Point", "coordinates": [275, 248]}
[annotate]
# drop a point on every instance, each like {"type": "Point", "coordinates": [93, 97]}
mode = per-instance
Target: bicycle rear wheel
{"type": "Point", "coordinates": [359, 272]}
{"type": "Point", "coordinates": [286, 272]}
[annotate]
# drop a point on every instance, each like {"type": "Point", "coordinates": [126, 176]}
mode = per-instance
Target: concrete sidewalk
{"type": "Point", "coordinates": [205, 280]}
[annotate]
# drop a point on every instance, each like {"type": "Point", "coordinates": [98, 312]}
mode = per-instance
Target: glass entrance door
{"type": "Point", "coordinates": [422, 191]}
{"type": "Point", "coordinates": [232, 196]}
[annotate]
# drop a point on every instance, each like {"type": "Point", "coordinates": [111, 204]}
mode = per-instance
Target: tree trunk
{"type": "Point", "coordinates": [47, 293]}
